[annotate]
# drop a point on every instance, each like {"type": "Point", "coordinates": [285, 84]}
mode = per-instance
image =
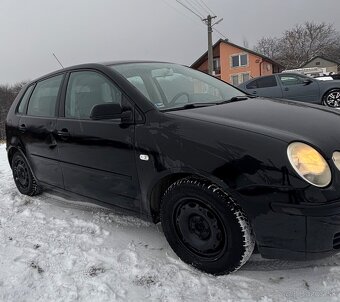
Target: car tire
{"type": "Point", "coordinates": [332, 98]}
{"type": "Point", "coordinates": [205, 227]}
{"type": "Point", "coordinates": [23, 177]}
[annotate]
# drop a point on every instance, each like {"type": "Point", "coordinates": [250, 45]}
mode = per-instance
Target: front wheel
{"type": "Point", "coordinates": [205, 227]}
{"type": "Point", "coordinates": [23, 176]}
{"type": "Point", "coordinates": [332, 98]}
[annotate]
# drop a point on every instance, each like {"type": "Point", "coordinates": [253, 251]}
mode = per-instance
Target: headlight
{"type": "Point", "coordinates": [309, 164]}
{"type": "Point", "coordinates": [336, 159]}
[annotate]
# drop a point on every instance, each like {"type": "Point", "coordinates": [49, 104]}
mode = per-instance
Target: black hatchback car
{"type": "Point", "coordinates": [220, 170]}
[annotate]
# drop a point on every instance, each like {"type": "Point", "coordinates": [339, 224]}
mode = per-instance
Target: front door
{"type": "Point", "coordinates": [295, 88]}
{"type": "Point", "coordinates": [97, 156]}
{"type": "Point", "coordinates": [37, 127]}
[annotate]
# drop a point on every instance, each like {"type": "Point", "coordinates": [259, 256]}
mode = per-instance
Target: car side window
{"type": "Point", "coordinates": [86, 89]}
{"type": "Point", "coordinates": [266, 82]}
{"type": "Point", "coordinates": [24, 100]}
{"type": "Point", "coordinates": [252, 85]}
{"type": "Point", "coordinates": [44, 97]}
{"type": "Point", "coordinates": [288, 80]}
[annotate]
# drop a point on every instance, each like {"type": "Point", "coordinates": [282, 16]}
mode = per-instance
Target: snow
{"type": "Point", "coordinates": [52, 249]}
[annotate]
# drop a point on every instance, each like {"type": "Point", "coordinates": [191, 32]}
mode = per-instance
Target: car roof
{"type": "Point", "coordinates": [95, 65]}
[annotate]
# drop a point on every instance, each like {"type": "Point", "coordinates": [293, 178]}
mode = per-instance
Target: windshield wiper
{"type": "Point", "coordinates": [237, 98]}
{"type": "Point", "coordinates": [191, 106]}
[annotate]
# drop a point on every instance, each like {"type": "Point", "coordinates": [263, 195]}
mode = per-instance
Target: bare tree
{"type": "Point", "coordinates": [269, 47]}
{"type": "Point", "coordinates": [7, 96]}
{"type": "Point", "coordinates": [302, 43]}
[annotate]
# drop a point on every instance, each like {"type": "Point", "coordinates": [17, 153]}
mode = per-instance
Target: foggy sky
{"type": "Point", "coordinates": [80, 31]}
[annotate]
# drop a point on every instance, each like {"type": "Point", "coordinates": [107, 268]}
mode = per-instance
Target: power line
{"type": "Point", "coordinates": [195, 7]}
{"type": "Point", "coordinates": [181, 12]}
{"type": "Point", "coordinates": [222, 35]}
{"type": "Point", "coordinates": [202, 7]}
{"type": "Point", "coordinates": [208, 21]}
{"type": "Point", "coordinates": [207, 7]}
{"type": "Point", "coordinates": [189, 9]}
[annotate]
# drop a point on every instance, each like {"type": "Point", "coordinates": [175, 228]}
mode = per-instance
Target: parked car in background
{"type": "Point", "coordinates": [324, 78]}
{"type": "Point", "coordinates": [296, 87]}
{"type": "Point", "coordinates": [219, 169]}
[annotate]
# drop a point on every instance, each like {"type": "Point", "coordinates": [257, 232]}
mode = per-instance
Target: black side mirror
{"type": "Point", "coordinates": [106, 111]}
{"type": "Point", "coordinates": [307, 82]}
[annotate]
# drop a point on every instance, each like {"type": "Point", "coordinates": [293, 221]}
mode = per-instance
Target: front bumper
{"type": "Point", "coordinates": [301, 232]}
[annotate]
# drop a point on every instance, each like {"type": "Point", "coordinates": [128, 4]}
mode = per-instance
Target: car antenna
{"type": "Point", "coordinates": [58, 60]}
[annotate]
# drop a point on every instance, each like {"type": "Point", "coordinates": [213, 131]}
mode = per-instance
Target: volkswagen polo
{"type": "Point", "coordinates": [220, 170]}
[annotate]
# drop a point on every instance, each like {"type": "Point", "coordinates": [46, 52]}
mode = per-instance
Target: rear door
{"type": "Point", "coordinates": [295, 88]}
{"type": "Point", "coordinates": [97, 156]}
{"type": "Point", "coordinates": [265, 86]}
{"type": "Point", "coordinates": [37, 130]}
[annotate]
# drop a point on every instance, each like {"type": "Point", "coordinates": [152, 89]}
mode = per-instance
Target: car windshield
{"type": "Point", "coordinates": [171, 86]}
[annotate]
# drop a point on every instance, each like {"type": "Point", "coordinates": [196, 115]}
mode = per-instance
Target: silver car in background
{"type": "Point", "coordinates": [296, 87]}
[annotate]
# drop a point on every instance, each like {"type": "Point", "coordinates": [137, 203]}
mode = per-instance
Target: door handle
{"type": "Point", "coordinates": [254, 92]}
{"type": "Point", "coordinates": [286, 89]}
{"type": "Point", "coordinates": [22, 128]}
{"type": "Point", "coordinates": [63, 133]}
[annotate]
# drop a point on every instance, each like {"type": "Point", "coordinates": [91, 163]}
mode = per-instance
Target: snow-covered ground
{"type": "Point", "coordinates": [55, 250]}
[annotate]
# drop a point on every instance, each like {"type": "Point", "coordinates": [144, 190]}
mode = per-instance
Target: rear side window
{"type": "Point", "coordinates": [252, 85]}
{"type": "Point", "coordinates": [86, 89]}
{"type": "Point", "coordinates": [266, 82]}
{"type": "Point", "coordinates": [44, 98]}
{"type": "Point", "coordinates": [24, 99]}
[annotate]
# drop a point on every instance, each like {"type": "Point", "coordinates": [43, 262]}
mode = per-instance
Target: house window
{"type": "Point", "coordinates": [216, 65]}
{"type": "Point", "coordinates": [245, 77]}
{"type": "Point", "coordinates": [239, 60]}
{"type": "Point", "coordinates": [317, 63]}
{"type": "Point", "coordinates": [234, 80]}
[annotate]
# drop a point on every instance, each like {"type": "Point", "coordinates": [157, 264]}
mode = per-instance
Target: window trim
{"type": "Point", "coordinates": [217, 59]}
{"type": "Point", "coordinates": [57, 104]}
{"type": "Point", "coordinates": [238, 79]}
{"type": "Point", "coordinates": [242, 74]}
{"type": "Point", "coordinates": [239, 60]}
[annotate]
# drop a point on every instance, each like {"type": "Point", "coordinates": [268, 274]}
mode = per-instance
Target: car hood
{"type": "Point", "coordinates": [280, 119]}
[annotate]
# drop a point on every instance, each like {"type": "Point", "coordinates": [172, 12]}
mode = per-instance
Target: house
{"type": "Point", "coordinates": [236, 64]}
{"type": "Point", "coordinates": [327, 65]}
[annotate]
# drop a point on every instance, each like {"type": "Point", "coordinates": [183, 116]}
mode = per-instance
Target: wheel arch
{"type": "Point", "coordinates": [161, 184]}
{"type": "Point", "coordinates": [16, 146]}
{"type": "Point", "coordinates": [328, 91]}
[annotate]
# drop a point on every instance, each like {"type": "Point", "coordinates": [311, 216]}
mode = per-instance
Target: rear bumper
{"type": "Point", "coordinates": [304, 232]}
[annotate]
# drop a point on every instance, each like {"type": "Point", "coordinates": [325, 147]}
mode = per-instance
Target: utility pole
{"type": "Point", "coordinates": [210, 49]}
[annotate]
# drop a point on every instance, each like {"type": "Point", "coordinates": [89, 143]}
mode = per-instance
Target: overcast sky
{"type": "Point", "coordinates": [80, 31]}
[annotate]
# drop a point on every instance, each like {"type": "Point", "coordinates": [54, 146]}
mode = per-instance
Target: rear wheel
{"type": "Point", "coordinates": [205, 227]}
{"type": "Point", "coordinates": [332, 98]}
{"type": "Point", "coordinates": [23, 176]}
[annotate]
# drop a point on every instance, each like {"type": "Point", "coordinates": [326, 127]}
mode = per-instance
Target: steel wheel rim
{"type": "Point", "coordinates": [200, 228]}
{"type": "Point", "coordinates": [21, 174]}
{"type": "Point", "coordinates": [333, 99]}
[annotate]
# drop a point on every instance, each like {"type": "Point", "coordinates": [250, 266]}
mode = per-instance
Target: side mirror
{"type": "Point", "coordinates": [106, 111]}
{"type": "Point", "coordinates": [307, 82]}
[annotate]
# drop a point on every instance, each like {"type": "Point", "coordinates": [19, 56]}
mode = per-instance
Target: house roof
{"type": "Point", "coordinates": [321, 57]}
{"type": "Point", "coordinates": [203, 58]}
